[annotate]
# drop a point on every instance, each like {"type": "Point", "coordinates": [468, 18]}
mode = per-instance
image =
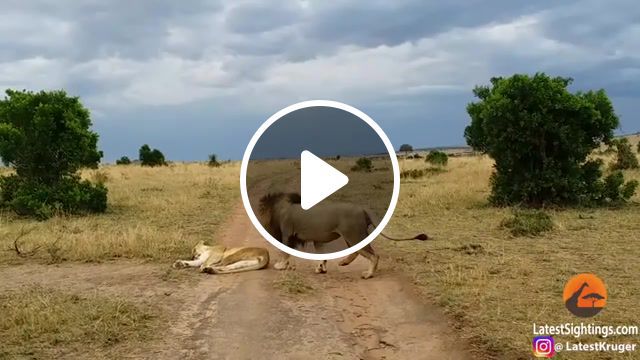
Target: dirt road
{"type": "Point", "coordinates": [244, 316]}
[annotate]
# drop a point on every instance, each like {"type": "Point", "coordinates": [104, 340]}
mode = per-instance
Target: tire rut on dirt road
{"type": "Point", "coordinates": [243, 316]}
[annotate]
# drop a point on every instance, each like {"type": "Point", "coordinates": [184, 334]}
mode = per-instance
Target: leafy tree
{"type": "Point", "coordinates": [406, 148]}
{"type": "Point", "coordinates": [123, 161]}
{"type": "Point", "coordinates": [213, 160]}
{"type": "Point", "coordinates": [150, 157]}
{"type": "Point", "coordinates": [46, 138]}
{"type": "Point", "coordinates": [638, 146]}
{"type": "Point", "coordinates": [625, 158]}
{"type": "Point", "coordinates": [438, 158]}
{"type": "Point", "coordinates": [540, 135]}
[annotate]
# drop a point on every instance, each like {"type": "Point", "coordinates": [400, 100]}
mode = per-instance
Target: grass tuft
{"type": "Point", "coordinates": [292, 282]}
{"type": "Point", "coordinates": [528, 223]}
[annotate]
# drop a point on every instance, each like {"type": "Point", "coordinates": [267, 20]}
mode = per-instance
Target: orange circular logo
{"type": "Point", "coordinates": [585, 295]}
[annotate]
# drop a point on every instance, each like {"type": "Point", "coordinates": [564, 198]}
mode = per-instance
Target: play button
{"type": "Point", "coordinates": [318, 180]}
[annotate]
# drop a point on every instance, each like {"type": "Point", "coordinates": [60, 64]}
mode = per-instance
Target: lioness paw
{"type": "Point", "coordinates": [367, 274]}
{"type": "Point", "coordinates": [178, 264]}
{"type": "Point", "coordinates": [281, 265]}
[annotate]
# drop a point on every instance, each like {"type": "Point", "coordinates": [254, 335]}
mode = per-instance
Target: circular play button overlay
{"type": "Point", "coordinates": [320, 180]}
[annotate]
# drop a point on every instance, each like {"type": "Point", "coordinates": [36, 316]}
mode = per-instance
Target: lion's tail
{"type": "Point", "coordinates": [370, 221]}
{"type": "Point", "coordinates": [258, 263]}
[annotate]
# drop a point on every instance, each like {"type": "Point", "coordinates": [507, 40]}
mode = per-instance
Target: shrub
{"type": "Point", "coordinates": [42, 201]}
{"type": "Point", "coordinates": [418, 173]}
{"type": "Point", "coordinates": [438, 158]}
{"type": "Point", "coordinates": [123, 161]}
{"type": "Point", "coordinates": [406, 148]}
{"type": "Point", "coordinates": [213, 160]}
{"type": "Point", "coordinates": [150, 157]}
{"type": "Point", "coordinates": [539, 135]}
{"type": "Point", "coordinates": [363, 164]}
{"type": "Point", "coordinates": [528, 223]}
{"type": "Point", "coordinates": [625, 158]}
{"type": "Point", "coordinates": [46, 138]}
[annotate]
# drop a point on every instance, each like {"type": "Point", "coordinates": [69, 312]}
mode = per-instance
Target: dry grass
{"type": "Point", "coordinates": [292, 282]}
{"type": "Point", "coordinates": [496, 286]}
{"type": "Point", "coordinates": [154, 213]}
{"type": "Point", "coordinates": [40, 323]}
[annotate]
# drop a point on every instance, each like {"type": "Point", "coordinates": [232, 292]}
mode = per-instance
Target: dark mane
{"type": "Point", "coordinates": [267, 202]}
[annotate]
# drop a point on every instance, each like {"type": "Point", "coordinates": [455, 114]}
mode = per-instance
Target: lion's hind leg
{"type": "Point", "coordinates": [245, 259]}
{"type": "Point", "coordinates": [373, 258]}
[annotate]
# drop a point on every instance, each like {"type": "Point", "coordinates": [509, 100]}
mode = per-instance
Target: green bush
{"type": "Point", "coordinates": [540, 135]}
{"type": "Point", "coordinates": [363, 164]}
{"type": "Point", "coordinates": [150, 157]}
{"type": "Point", "coordinates": [438, 158]}
{"type": "Point", "coordinates": [625, 158]}
{"type": "Point", "coordinates": [69, 195]}
{"type": "Point", "coordinates": [123, 161]}
{"type": "Point", "coordinates": [213, 160]}
{"type": "Point", "coordinates": [46, 138]}
{"type": "Point", "coordinates": [528, 223]}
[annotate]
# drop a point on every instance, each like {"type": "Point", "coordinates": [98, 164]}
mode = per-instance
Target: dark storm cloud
{"type": "Point", "coordinates": [391, 22]}
{"type": "Point", "coordinates": [131, 29]}
{"type": "Point", "coordinates": [216, 69]}
{"type": "Point", "coordinates": [324, 131]}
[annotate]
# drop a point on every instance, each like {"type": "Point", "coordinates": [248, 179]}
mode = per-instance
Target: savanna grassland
{"type": "Point", "coordinates": [493, 284]}
{"type": "Point", "coordinates": [79, 285]}
{"type": "Point", "coordinates": [153, 214]}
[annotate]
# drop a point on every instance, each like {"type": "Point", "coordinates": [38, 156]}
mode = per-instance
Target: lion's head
{"type": "Point", "coordinates": [267, 209]}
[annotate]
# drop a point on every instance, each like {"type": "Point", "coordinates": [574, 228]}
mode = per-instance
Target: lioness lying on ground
{"type": "Point", "coordinates": [218, 259]}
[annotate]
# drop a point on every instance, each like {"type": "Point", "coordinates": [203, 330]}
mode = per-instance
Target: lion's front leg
{"type": "Point", "coordinates": [189, 263]}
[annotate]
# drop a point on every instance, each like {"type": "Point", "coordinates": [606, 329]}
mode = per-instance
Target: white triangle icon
{"type": "Point", "coordinates": [318, 179]}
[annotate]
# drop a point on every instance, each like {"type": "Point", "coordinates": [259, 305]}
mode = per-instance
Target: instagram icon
{"type": "Point", "coordinates": [543, 347]}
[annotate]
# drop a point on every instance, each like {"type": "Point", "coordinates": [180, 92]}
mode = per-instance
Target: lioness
{"type": "Point", "coordinates": [218, 259]}
{"type": "Point", "coordinates": [283, 217]}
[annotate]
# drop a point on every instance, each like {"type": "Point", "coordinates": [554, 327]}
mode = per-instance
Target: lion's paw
{"type": "Point", "coordinates": [321, 269]}
{"type": "Point", "coordinates": [178, 264]}
{"type": "Point", "coordinates": [367, 274]}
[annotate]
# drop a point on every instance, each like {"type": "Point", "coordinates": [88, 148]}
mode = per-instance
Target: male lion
{"type": "Point", "coordinates": [283, 217]}
{"type": "Point", "coordinates": [218, 259]}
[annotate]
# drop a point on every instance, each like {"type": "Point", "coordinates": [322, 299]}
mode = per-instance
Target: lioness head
{"type": "Point", "coordinates": [203, 247]}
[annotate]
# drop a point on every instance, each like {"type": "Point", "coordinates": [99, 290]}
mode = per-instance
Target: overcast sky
{"type": "Point", "coordinates": [198, 77]}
